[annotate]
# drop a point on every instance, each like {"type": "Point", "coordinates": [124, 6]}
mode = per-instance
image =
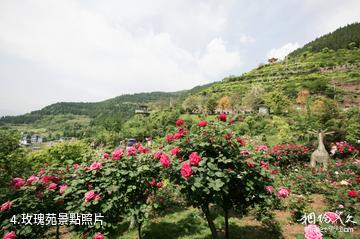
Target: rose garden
{"type": "Point", "coordinates": [226, 185]}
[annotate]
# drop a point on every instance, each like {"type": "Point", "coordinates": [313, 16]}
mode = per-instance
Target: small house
{"type": "Point", "coordinates": [36, 139]}
{"type": "Point", "coordinates": [143, 109]}
{"type": "Point", "coordinates": [263, 109]}
{"type": "Point", "coordinates": [272, 60]}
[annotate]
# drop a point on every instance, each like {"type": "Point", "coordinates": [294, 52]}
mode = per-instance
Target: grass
{"type": "Point", "coordinates": [190, 224]}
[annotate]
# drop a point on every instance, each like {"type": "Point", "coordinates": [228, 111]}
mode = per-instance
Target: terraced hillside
{"type": "Point", "coordinates": [335, 74]}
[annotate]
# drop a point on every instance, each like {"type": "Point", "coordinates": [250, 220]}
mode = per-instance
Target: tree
{"type": "Point", "coordinates": [302, 97]}
{"type": "Point", "coordinates": [12, 158]}
{"type": "Point", "coordinates": [277, 101]}
{"type": "Point", "coordinates": [211, 104]}
{"type": "Point", "coordinates": [192, 104]}
{"type": "Point", "coordinates": [254, 97]}
{"type": "Point", "coordinates": [224, 102]}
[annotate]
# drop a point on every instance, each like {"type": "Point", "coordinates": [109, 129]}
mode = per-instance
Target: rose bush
{"type": "Point", "coordinates": [212, 167]}
{"type": "Point", "coordinates": [285, 155]}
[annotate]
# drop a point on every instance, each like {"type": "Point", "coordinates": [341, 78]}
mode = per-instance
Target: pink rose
{"type": "Point", "coordinates": [17, 183]}
{"type": "Point", "coordinates": [32, 179]}
{"type": "Point", "coordinates": [269, 189]}
{"type": "Point", "coordinates": [159, 185]}
{"type": "Point", "coordinates": [202, 123]}
{"type": "Point", "coordinates": [143, 150]}
{"type": "Point", "coordinates": [10, 235]}
{"type": "Point", "coordinates": [75, 166]}
{"type": "Point", "coordinates": [165, 161]}
{"type": "Point", "coordinates": [106, 156]}
{"type": "Point", "coordinates": [250, 164]}
{"type": "Point", "coordinates": [175, 151]}
{"type": "Point", "coordinates": [62, 188]}
{"type": "Point", "coordinates": [131, 151]}
{"type": "Point", "coordinates": [45, 179]}
{"type": "Point", "coordinates": [261, 148]}
{"type": "Point", "coordinates": [179, 122]}
{"type": "Point", "coordinates": [157, 155]}
{"type": "Point", "coordinates": [312, 232]}
{"type": "Point", "coordinates": [169, 138]}
{"type": "Point", "coordinates": [117, 154]}
{"type": "Point", "coordinates": [95, 166]}
{"type": "Point", "coordinates": [180, 134]}
{"type": "Point", "coordinates": [186, 170]}
{"type": "Point", "coordinates": [222, 117]}
{"type": "Point", "coordinates": [5, 206]}
{"type": "Point", "coordinates": [153, 182]}
{"type": "Point", "coordinates": [331, 216]}
{"type": "Point", "coordinates": [99, 235]}
{"type": "Point", "coordinates": [89, 196]}
{"type": "Point", "coordinates": [194, 158]}
{"type": "Point", "coordinates": [97, 197]}
{"type": "Point", "coordinates": [52, 186]}
{"type": "Point", "coordinates": [283, 192]}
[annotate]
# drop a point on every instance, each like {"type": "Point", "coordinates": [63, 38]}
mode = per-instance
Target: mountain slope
{"type": "Point", "coordinates": [329, 73]}
{"type": "Point", "coordinates": [123, 106]}
{"type": "Point", "coordinates": [342, 38]}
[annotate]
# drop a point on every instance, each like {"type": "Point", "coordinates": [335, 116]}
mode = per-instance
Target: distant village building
{"type": "Point", "coordinates": [263, 109]}
{"type": "Point", "coordinates": [143, 109]}
{"type": "Point", "coordinates": [25, 140]}
{"type": "Point", "coordinates": [272, 60]}
{"type": "Point", "coordinates": [36, 139]}
{"type": "Point", "coordinates": [28, 139]}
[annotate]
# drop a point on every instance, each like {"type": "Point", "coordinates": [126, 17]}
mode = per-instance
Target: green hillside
{"type": "Point", "coordinates": [335, 74]}
{"type": "Point", "coordinates": [343, 38]}
{"type": "Point", "coordinates": [317, 81]}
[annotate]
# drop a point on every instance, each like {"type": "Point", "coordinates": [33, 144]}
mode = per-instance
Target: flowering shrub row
{"type": "Point", "coordinates": [210, 163]}
{"type": "Point", "coordinates": [288, 154]}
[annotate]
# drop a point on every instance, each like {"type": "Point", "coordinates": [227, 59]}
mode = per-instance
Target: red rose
{"type": "Point", "coordinates": [357, 179]}
{"type": "Point", "coordinates": [159, 185]}
{"type": "Point", "coordinates": [222, 117]}
{"type": "Point", "coordinates": [105, 155]}
{"type": "Point", "coordinates": [186, 170]}
{"type": "Point", "coordinates": [153, 182]}
{"type": "Point", "coordinates": [194, 158]}
{"type": "Point", "coordinates": [353, 194]}
{"type": "Point", "coordinates": [240, 141]}
{"type": "Point", "coordinates": [202, 123]}
{"type": "Point", "coordinates": [175, 151]}
{"type": "Point", "coordinates": [228, 136]}
{"type": "Point", "coordinates": [165, 160]}
{"type": "Point", "coordinates": [179, 122]}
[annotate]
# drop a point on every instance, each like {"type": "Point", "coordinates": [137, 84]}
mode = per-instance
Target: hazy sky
{"type": "Point", "coordinates": [91, 50]}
